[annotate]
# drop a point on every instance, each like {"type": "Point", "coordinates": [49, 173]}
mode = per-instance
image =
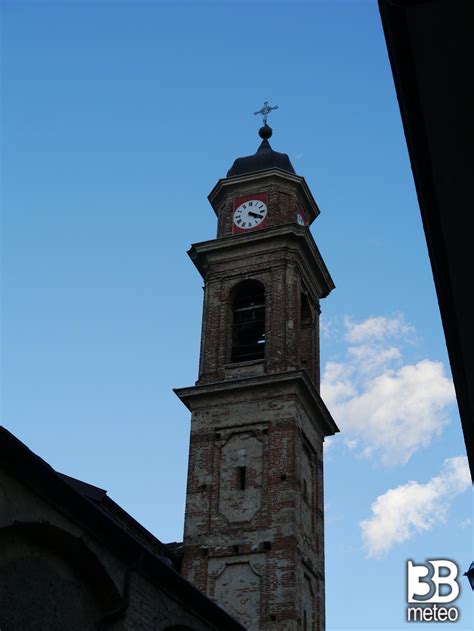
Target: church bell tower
{"type": "Point", "coordinates": [253, 534]}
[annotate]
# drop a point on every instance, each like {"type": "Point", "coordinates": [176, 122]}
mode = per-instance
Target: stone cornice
{"type": "Point", "coordinates": [264, 239]}
{"type": "Point", "coordinates": [310, 396]}
{"type": "Point", "coordinates": [226, 185]}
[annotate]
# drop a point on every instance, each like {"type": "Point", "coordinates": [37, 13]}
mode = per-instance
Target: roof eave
{"type": "Point", "coordinates": [226, 183]}
{"type": "Point", "coordinates": [198, 252]}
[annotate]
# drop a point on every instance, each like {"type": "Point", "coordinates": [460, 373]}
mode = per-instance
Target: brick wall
{"type": "Point", "coordinates": [256, 547]}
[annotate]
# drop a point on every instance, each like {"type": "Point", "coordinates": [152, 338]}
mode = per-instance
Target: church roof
{"type": "Point", "coordinates": [90, 507]}
{"type": "Point", "coordinates": [265, 158]}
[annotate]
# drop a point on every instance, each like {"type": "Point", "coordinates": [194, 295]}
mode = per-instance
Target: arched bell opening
{"type": "Point", "coordinates": [248, 321]}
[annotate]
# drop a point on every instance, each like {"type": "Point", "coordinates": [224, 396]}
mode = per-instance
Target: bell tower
{"type": "Point", "coordinates": [253, 535]}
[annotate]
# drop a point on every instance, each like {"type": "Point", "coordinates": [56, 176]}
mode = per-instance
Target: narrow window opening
{"type": "Point", "coordinates": [242, 478]}
{"type": "Point", "coordinates": [305, 309]}
{"type": "Point", "coordinates": [305, 490]}
{"type": "Point", "coordinates": [305, 620]}
{"type": "Point", "coordinates": [248, 331]}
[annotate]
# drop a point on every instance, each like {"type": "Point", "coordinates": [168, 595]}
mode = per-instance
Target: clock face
{"type": "Point", "coordinates": [300, 219]}
{"type": "Point", "coordinates": [250, 214]}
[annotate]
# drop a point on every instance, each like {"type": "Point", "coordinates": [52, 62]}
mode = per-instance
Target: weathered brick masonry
{"type": "Point", "coordinates": [254, 539]}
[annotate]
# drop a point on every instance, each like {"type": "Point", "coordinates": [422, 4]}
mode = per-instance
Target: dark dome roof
{"type": "Point", "coordinates": [264, 159]}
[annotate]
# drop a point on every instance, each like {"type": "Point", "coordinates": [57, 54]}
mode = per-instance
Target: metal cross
{"type": "Point", "coordinates": [266, 109]}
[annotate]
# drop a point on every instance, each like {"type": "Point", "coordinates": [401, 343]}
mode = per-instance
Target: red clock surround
{"type": "Point", "coordinates": [262, 197]}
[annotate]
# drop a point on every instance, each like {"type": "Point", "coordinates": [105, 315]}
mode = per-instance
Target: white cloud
{"type": "Point", "coordinates": [326, 327]}
{"type": "Point", "coordinates": [397, 412]}
{"type": "Point", "coordinates": [370, 358]}
{"type": "Point", "coordinates": [394, 409]}
{"type": "Point", "coordinates": [337, 384]}
{"type": "Point", "coordinates": [352, 443]}
{"type": "Point", "coordinates": [411, 508]}
{"type": "Point", "coordinates": [376, 328]}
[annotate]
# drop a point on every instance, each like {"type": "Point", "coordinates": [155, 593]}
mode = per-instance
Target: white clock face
{"type": "Point", "coordinates": [250, 214]}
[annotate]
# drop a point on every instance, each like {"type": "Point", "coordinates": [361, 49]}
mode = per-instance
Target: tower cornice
{"type": "Point", "coordinates": [201, 252]}
{"type": "Point", "coordinates": [298, 379]}
{"type": "Point", "coordinates": [225, 187]}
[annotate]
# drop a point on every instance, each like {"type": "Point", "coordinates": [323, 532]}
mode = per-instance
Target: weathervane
{"type": "Point", "coordinates": [266, 109]}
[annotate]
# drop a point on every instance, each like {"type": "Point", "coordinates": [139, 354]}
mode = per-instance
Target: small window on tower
{"type": "Point", "coordinates": [305, 309]}
{"type": "Point", "coordinates": [242, 469]}
{"type": "Point", "coordinates": [248, 330]}
{"type": "Point", "coordinates": [242, 478]}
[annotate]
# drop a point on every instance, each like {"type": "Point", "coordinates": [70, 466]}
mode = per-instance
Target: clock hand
{"type": "Point", "coordinates": [255, 215]}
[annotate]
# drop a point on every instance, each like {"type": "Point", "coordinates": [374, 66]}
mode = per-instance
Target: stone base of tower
{"type": "Point", "coordinates": [263, 591]}
{"type": "Point", "coordinates": [253, 539]}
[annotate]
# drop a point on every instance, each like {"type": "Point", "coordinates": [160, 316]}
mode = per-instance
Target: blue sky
{"type": "Point", "coordinates": [118, 119]}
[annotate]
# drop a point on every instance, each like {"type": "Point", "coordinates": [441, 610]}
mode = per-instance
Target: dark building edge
{"type": "Point", "coordinates": [28, 468]}
{"type": "Point", "coordinates": [412, 31]}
